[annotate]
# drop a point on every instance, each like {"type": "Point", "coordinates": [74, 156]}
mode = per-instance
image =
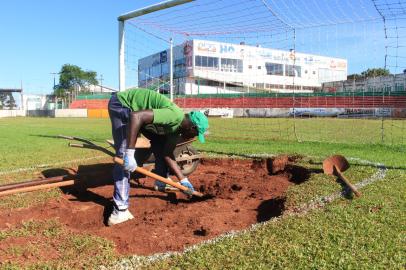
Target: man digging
{"type": "Point", "coordinates": [147, 112]}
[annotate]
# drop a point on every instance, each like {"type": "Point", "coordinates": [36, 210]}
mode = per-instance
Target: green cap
{"type": "Point", "coordinates": [201, 122]}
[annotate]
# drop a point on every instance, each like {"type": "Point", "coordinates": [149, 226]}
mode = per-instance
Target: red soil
{"type": "Point", "coordinates": [239, 193]}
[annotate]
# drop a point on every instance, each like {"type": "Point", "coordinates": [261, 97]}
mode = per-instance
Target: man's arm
{"type": "Point", "coordinates": [169, 158]}
{"type": "Point", "coordinates": [137, 120]}
{"type": "Point", "coordinates": [174, 167]}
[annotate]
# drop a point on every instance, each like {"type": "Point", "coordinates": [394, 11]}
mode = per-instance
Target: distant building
{"type": "Point", "coordinates": [34, 102]}
{"type": "Point", "coordinates": [373, 84]}
{"type": "Point", "coordinates": [101, 89]}
{"type": "Point", "coordinates": [207, 67]}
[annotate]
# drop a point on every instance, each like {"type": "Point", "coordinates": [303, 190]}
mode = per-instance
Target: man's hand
{"type": "Point", "coordinates": [130, 164]}
{"type": "Point", "coordinates": [185, 182]}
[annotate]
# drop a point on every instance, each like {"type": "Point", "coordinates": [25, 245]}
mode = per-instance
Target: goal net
{"type": "Point", "coordinates": [295, 70]}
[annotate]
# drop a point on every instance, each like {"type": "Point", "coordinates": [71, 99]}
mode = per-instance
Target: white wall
{"type": "Point", "coordinates": [34, 102]}
{"type": "Point", "coordinates": [11, 113]}
{"type": "Point", "coordinates": [71, 113]}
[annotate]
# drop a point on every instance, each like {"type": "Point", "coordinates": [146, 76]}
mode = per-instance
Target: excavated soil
{"type": "Point", "coordinates": [238, 193]}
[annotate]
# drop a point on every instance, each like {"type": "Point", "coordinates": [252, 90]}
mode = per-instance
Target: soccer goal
{"type": "Point", "coordinates": [300, 70]}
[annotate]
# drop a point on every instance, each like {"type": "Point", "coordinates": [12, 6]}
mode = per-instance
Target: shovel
{"type": "Point", "coordinates": [337, 164]}
{"type": "Point", "coordinates": [162, 179]}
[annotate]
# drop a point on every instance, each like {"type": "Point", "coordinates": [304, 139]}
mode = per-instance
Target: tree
{"type": "Point", "coordinates": [375, 72]}
{"type": "Point", "coordinates": [370, 72]}
{"type": "Point", "coordinates": [354, 76]}
{"type": "Point", "coordinates": [3, 99]}
{"type": "Point", "coordinates": [72, 77]}
{"type": "Point", "coordinates": [11, 103]}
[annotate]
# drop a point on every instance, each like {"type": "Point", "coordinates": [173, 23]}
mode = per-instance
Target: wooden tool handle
{"type": "Point", "coordinates": [158, 177]}
{"type": "Point", "coordinates": [347, 182]}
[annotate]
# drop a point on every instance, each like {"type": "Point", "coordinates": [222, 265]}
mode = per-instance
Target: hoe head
{"type": "Point", "coordinates": [338, 161]}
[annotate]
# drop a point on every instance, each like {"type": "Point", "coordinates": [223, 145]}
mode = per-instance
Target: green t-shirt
{"type": "Point", "coordinates": [167, 116]}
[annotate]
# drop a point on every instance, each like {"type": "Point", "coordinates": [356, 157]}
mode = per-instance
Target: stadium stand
{"type": "Point", "coordinates": [319, 100]}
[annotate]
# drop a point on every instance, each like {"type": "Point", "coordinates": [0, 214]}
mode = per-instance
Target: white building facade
{"type": "Point", "coordinates": [209, 67]}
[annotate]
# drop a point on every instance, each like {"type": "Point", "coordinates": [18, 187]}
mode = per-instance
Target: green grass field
{"type": "Point", "coordinates": [364, 233]}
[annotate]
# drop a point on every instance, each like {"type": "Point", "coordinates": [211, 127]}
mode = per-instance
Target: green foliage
{"type": "Point", "coordinates": [11, 103]}
{"type": "Point", "coordinates": [370, 72]}
{"type": "Point", "coordinates": [72, 76]}
{"type": "Point", "coordinates": [3, 100]}
{"type": "Point", "coordinates": [375, 72]}
{"type": "Point", "coordinates": [7, 101]}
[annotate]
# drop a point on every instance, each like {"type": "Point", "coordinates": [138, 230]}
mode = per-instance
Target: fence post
{"type": "Point", "coordinates": [382, 130]}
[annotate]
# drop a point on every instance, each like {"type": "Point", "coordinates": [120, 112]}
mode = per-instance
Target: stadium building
{"type": "Point", "coordinates": [209, 67]}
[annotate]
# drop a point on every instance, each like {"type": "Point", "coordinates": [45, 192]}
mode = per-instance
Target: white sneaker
{"type": "Point", "coordinates": [118, 216]}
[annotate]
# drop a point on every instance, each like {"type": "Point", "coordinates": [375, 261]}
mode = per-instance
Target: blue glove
{"type": "Point", "coordinates": [185, 182]}
{"type": "Point", "coordinates": [130, 164]}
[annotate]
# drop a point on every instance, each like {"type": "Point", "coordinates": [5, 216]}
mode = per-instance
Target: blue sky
{"type": "Point", "coordinates": [38, 37]}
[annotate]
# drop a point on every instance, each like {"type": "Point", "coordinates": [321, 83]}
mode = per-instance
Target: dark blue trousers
{"type": "Point", "coordinates": [119, 116]}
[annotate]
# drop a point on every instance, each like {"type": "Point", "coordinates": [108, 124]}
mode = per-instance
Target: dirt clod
{"type": "Point", "coordinates": [277, 164]}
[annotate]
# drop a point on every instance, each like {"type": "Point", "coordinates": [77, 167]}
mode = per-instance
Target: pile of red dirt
{"type": "Point", "coordinates": [239, 193]}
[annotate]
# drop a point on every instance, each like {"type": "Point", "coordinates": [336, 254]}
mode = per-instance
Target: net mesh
{"type": "Point", "coordinates": [279, 66]}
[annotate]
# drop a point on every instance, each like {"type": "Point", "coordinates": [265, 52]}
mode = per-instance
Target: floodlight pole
{"type": "Point", "coordinates": [121, 31]}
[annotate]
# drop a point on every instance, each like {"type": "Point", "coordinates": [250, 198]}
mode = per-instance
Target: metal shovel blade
{"type": "Point", "coordinates": [338, 161]}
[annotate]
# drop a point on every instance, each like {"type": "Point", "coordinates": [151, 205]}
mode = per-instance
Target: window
{"type": "Point", "coordinates": [293, 71]}
{"type": "Point", "coordinates": [292, 87]}
{"type": "Point", "coordinates": [207, 62]}
{"type": "Point", "coordinates": [250, 66]}
{"type": "Point", "coordinates": [165, 69]}
{"type": "Point", "coordinates": [141, 74]}
{"type": "Point", "coordinates": [276, 86]}
{"type": "Point", "coordinates": [179, 69]}
{"type": "Point", "coordinates": [231, 65]}
{"type": "Point", "coordinates": [207, 82]}
{"type": "Point", "coordinates": [212, 62]}
{"type": "Point", "coordinates": [274, 69]}
{"type": "Point", "coordinates": [198, 61]}
{"type": "Point", "coordinates": [156, 71]}
{"type": "Point", "coordinates": [259, 67]}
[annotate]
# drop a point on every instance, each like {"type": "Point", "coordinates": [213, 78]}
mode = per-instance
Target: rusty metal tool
{"type": "Point", "coordinates": [336, 165]}
{"type": "Point", "coordinates": [37, 187]}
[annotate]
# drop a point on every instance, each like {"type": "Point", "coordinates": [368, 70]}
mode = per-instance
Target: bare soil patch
{"type": "Point", "coordinates": [239, 193]}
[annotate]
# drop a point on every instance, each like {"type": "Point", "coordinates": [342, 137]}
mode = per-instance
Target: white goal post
{"type": "Point", "coordinates": [121, 38]}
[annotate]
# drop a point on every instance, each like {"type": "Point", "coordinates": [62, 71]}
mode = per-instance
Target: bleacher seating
{"type": "Point", "coordinates": [297, 102]}
{"type": "Point", "coordinates": [89, 104]}
{"type": "Point", "coordinates": [286, 101]}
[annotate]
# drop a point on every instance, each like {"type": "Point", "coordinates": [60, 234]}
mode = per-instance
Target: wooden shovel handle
{"type": "Point", "coordinates": [347, 182]}
{"type": "Point", "coordinates": [158, 177]}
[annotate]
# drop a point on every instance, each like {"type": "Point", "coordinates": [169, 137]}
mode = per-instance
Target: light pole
{"type": "Point", "coordinates": [101, 83]}
{"type": "Point", "coordinates": [53, 89]}
{"type": "Point", "coordinates": [54, 73]}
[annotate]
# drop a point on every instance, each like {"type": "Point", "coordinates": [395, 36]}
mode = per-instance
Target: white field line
{"type": "Point", "coordinates": [47, 165]}
{"type": "Point", "coordinates": [136, 262]}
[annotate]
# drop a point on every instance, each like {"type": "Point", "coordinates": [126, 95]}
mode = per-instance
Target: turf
{"type": "Point", "coordinates": [365, 233]}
